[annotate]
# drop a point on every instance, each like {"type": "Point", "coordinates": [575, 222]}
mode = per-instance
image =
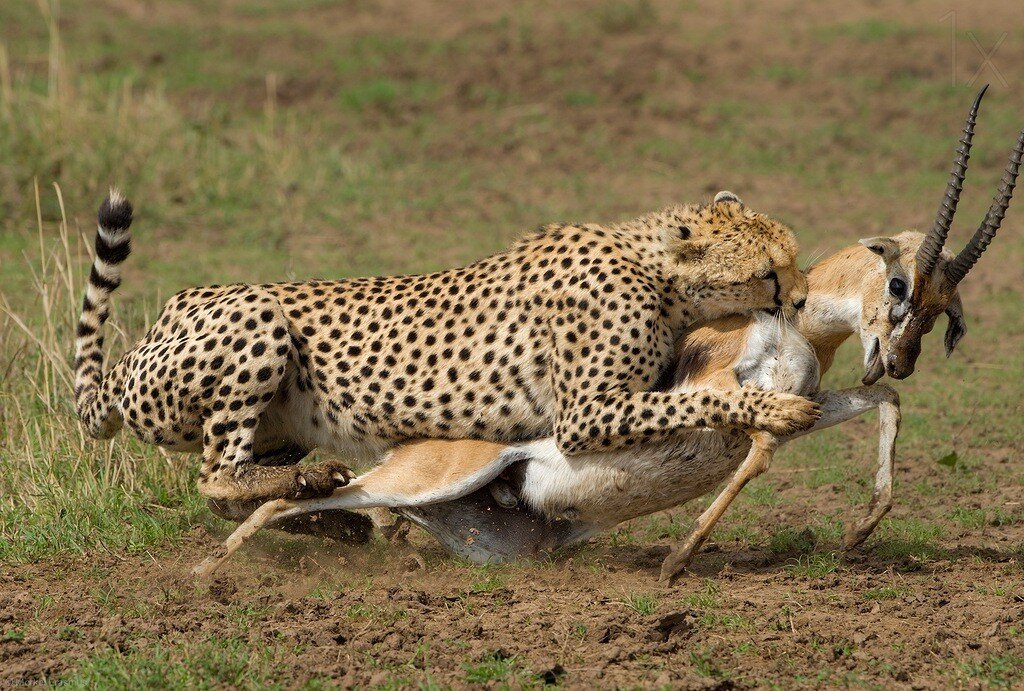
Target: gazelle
{"type": "Point", "coordinates": [491, 501]}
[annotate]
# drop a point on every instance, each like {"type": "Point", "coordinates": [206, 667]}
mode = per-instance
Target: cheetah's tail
{"type": "Point", "coordinates": [113, 245]}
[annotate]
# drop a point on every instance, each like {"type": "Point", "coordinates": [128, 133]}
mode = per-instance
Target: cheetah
{"type": "Point", "coordinates": [569, 332]}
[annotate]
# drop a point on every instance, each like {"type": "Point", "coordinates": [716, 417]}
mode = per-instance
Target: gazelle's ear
{"type": "Point", "coordinates": [957, 326]}
{"type": "Point", "coordinates": [886, 248]}
{"type": "Point", "coordinates": [727, 196]}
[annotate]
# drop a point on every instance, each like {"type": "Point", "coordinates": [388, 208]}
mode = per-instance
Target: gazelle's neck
{"type": "Point", "coordinates": [835, 290]}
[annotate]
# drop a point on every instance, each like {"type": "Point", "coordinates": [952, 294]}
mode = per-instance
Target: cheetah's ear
{"type": "Point", "coordinates": [692, 250]}
{"type": "Point", "coordinates": [727, 196]}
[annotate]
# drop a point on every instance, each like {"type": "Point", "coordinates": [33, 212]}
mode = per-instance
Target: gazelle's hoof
{"type": "Point", "coordinates": [206, 568]}
{"type": "Point", "coordinates": [675, 565]}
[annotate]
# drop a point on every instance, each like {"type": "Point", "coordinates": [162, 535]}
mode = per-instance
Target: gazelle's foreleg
{"type": "Point", "coordinates": [840, 406]}
{"type": "Point", "coordinates": [836, 407]}
{"type": "Point", "coordinates": [846, 404]}
{"type": "Point", "coordinates": [757, 461]}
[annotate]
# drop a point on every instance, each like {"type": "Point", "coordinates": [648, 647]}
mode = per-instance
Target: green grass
{"type": "Point", "coordinates": [189, 664]}
{"type": "Point", "coordinates": [266, 141]}
{"type": "Point", "coordinates": [885, 593]}
{"type": "Point", "coordinates": [497, 667]}
{"type": "Point", "coordinates": [816, 565]}
{"type": "Point", "coordinates": [641, 603]}
{"type": "Point", "coordinates": [996, 671]}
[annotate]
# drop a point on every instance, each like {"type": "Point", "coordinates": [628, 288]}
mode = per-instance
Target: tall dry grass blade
{"type": "Point", "coordinates": [50, 9]}
{"type": "Point", "coordinates": [6, 83]}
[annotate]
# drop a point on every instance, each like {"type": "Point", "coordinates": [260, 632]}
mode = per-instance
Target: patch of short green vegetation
{"type": "Point", "coordinates": [488, 583]}
{"type": "Point", "coordinates": [498, 667]}
{"type": "Point", "coordinates": [885, 593]}
{"type": "Point", "coordinates": [710, 614]}
{"type": "Point", "coordinates": [911, 540]}
{"type": "Point", "coordinates": [783, 73]}
{"type": "Point", "coordinates": [788, 540]}
{"type": "Point", "coordinates": [661, 526]}
{"type": "Point", "coordinates": [968, 517]}
{"type": "Point", "coordinates": [762, 493]}
{"type": "Point", "coordinates": [12, 635]}
{"type": "Point", "coordinates": [976, 518]}
{"type": "Point", "coordinates": [816, 565]}
{"type": "Point", "coordinates": [380, 615]}
{"type": "Point", "coordinates": [867, 30]}
{"type": "Point", "coordinates": [580, 97]}
{"type": "Point", "coordinates": [620, 16]}
{"type": "Point", "coordinates": [387, 94]}
{"type": "Point", "coordinates": [706, 597]}
{"type": "Point", "coordinates": [1004, 670]}
{"type": "Point", "coordinates": [200, 663]}
{"type": "Point", "coordinates": [641, 603]}
{"type": "Point", "coordinates": [705, 664]}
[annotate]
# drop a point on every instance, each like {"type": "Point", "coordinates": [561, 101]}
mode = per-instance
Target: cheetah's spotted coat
{"type": "Point", "coordinates": [568, 332]}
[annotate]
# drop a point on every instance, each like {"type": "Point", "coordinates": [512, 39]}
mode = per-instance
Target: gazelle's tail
{"type": "Point", "coordinates": [93, 401]}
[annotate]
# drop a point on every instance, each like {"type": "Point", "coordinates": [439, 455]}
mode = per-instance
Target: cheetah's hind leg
{"type": "Point", "coordinates": [237, 377]}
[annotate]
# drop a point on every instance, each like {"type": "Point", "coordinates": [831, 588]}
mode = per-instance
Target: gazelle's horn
{"type": "Point", "coordinates": [959, 267]}
{"type": "Point", "coordinates": [928, 252]}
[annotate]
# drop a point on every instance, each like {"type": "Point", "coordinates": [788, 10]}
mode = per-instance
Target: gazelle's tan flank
{"type": "Point", "coordinates": [887, 290]}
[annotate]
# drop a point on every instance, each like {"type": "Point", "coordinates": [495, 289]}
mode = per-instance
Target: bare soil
{"type": "Point", "coordinates": [741, 618]}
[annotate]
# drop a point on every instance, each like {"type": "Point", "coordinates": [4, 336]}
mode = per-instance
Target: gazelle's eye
{"type": "Point", "coordinates": [898, 288]}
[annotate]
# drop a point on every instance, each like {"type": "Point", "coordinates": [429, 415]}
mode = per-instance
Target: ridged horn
{"type": "Point", "coordinates": [928, 253]}
{"type": "Point", "coordinates": [964, 261]}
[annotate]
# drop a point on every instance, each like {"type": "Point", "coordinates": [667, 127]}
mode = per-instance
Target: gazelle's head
{"type": "Point", "coordinates": [918, 279]}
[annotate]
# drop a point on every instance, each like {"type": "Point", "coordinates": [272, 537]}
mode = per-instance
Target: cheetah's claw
{"type": "Point", "coordinates": [783, 414]}
{"type": "Point", "coordinates": [321, 479]}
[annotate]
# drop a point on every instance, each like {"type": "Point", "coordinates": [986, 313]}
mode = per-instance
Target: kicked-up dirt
{"type": "Point", "coordinates": [905, 611]}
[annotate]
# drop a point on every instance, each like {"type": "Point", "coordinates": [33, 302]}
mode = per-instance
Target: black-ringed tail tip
{"type": "Point", "coordinates": [93, 390]}
{"type": "Point", "coordinates": [115, 212]}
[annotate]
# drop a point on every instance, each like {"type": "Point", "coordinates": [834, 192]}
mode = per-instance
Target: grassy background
{"type": "Point", "coordinates": [270, 140]}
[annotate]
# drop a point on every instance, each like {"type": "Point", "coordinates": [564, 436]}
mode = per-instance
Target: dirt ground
{"type": "Point", "coordinates": [744, 616]}
{"type": "Point", "coordinates": [458, 128]}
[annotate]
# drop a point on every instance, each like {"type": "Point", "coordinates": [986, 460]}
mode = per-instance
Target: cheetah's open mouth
{"type": "Point", "coordinates": [875, 368]}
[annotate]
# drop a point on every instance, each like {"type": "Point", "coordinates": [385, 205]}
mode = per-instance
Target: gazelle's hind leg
{"type": "Point", "coordinates": [343, 526]}
{"type": "Point", "coordinates": [412, 475]}
{"type": "Point", "coordinates": [757, 461]}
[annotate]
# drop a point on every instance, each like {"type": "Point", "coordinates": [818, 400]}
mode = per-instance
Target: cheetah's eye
{"type": "Point", "coordinates": [770, 276]}
{"type": "Point", "coordinates": [684, 232]}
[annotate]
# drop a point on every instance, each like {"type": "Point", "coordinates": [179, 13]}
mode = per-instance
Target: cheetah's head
{"type": "Point", "coordinates": [729, 259]}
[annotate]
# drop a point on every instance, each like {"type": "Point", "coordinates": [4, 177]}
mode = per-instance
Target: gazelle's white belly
{"type": "Point", "coordinates": [607, 488]}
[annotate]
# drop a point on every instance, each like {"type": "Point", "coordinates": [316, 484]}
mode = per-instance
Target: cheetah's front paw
{"type": "Point", "coordinates": [782, 414]}
{"type": "Point", "coordinates": [320, 479]}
